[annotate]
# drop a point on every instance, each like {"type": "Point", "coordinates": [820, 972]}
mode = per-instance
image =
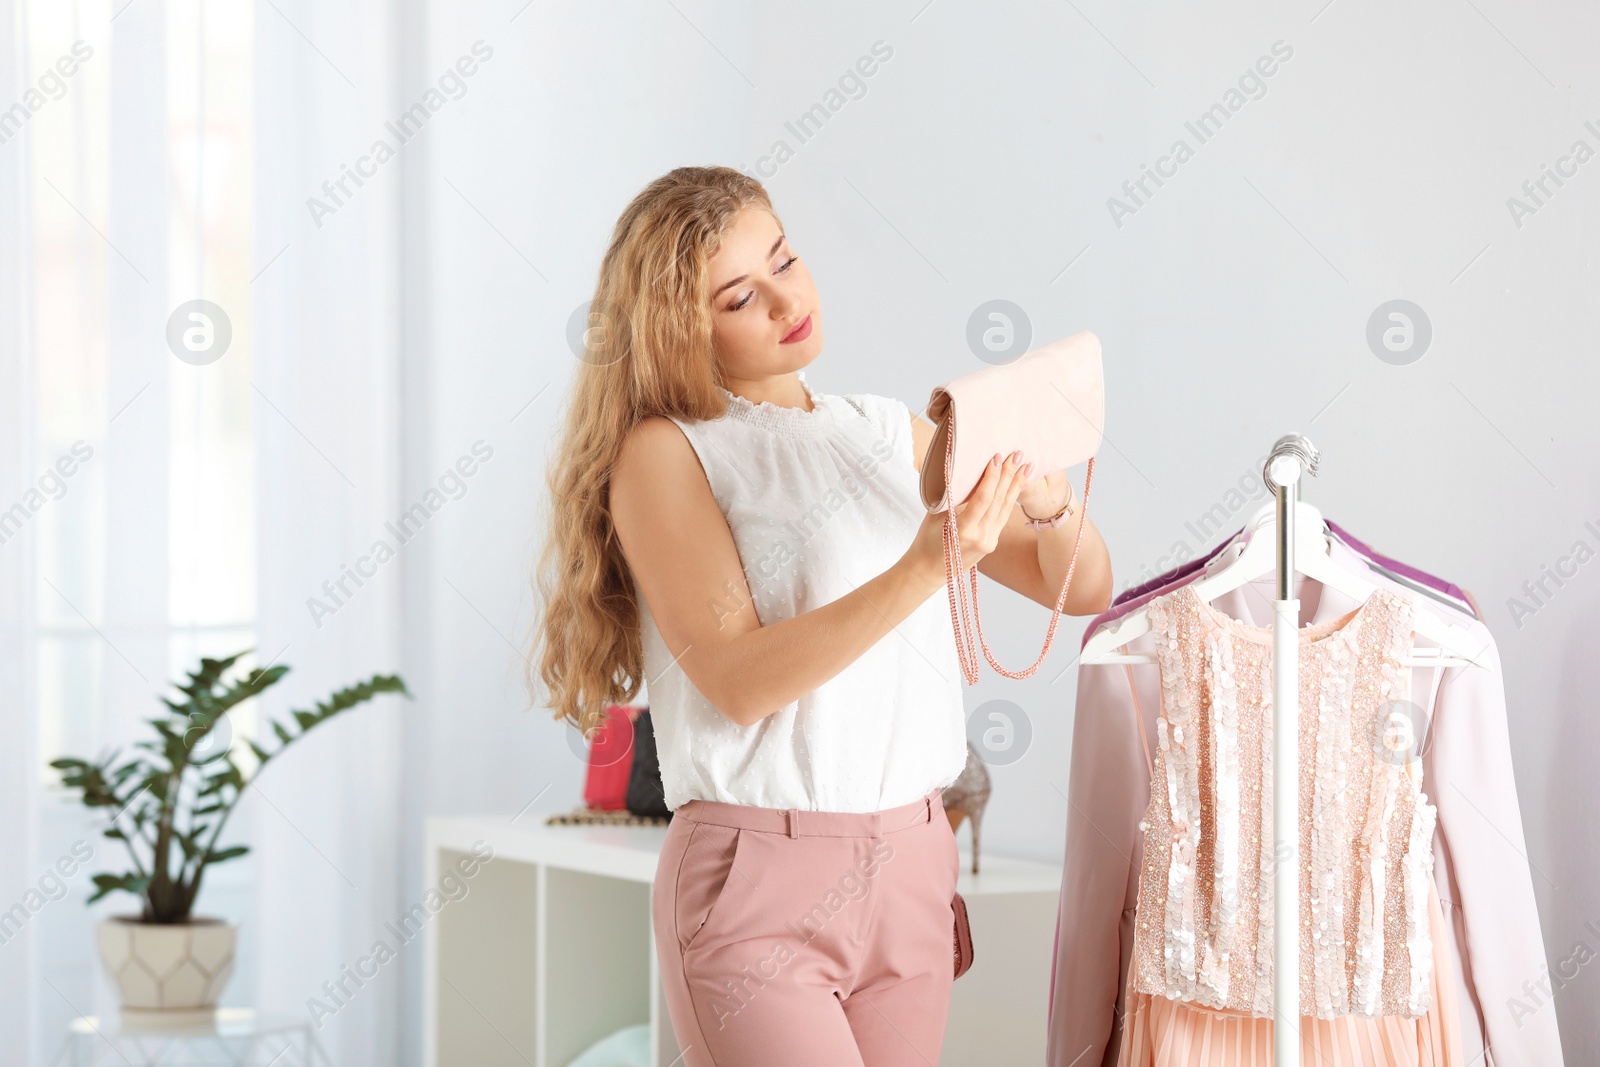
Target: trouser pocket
{"type": "Point", "coordinates": [707, 876]}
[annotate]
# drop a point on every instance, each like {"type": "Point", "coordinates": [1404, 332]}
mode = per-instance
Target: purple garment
{"type": "Point", "coordinates": [1403, 569]}
{"type": "Point", "coordinates": [1180, 571]}
{"type": "Point", "coordinates": [1130, 600]}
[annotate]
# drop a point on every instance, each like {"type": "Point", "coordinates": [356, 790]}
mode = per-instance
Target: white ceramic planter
{"type": "Point", "coordinates": [181, 967]}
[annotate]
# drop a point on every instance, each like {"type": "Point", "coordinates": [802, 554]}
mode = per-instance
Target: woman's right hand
{"type": "Point", "coordinates": [978, 520]}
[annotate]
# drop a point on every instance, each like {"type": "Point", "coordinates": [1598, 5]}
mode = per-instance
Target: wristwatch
{"type": "Point", "coordinates": [1055, 520]}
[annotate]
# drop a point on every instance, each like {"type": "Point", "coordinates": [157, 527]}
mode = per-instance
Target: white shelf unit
{"type": "Point", "coordinates": [551, 948]}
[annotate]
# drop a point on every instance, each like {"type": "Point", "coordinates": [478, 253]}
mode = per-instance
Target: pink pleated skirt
{"type": "Point", "coordinates": [1158, 1032]}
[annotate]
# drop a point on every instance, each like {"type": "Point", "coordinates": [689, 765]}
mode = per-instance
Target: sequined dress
{"type": "Point", "coordinates": [1200, 983]}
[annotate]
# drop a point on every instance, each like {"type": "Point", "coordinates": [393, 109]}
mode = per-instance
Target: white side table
{"type": "Point", "coordinates": [551, 948]}
{"type": "Point", "coordinates": [232, 1036]}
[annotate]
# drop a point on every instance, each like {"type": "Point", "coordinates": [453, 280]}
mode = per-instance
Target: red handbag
{"type": "Point", "coordinates": [605, 784]}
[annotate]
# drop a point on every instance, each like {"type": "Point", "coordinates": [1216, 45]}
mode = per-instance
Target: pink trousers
{"type": "Point", "coordinates": [797, 938]}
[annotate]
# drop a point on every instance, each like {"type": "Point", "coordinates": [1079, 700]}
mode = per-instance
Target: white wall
{"type": "Point", "coordinates": [1232, 305]}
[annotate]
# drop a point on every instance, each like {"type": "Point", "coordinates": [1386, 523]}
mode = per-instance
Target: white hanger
{"type": "Point", "coordinates": [1312, 560]}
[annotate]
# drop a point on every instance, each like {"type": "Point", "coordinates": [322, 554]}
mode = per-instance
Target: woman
{"type": "Point", "coordinates": [758, 553]}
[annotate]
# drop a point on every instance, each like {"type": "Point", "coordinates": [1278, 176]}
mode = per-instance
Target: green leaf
{"type": "Point", "coordinates": [122, 773]}
{"type": "Point", "coordinates": [210, 671]}
{"type": "Point", "coordinates": [156, 782]}
{"type": "Point", "coordinates": [226, 854]}
{"type": "Point", "coordinates": [118, 883]}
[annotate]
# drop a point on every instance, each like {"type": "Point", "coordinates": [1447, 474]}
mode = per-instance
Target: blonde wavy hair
{"type": "Point", "coordinates": [648, 351]}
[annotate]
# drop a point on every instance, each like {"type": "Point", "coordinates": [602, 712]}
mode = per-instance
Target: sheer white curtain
{"type": "Point", "coordinates": [18, 774]}
{"type": "Point", "coordinates": [84, 561]}
{"type": "Point", "coordinates": [327, 821]}
{"type": "Point", "coordinates": [219, 499]}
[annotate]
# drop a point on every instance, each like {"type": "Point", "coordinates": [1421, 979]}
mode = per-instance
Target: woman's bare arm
{"type": "Point", "coordinates": [679, 547]}
{"type": "Point", "coordinates": [1035, 564]}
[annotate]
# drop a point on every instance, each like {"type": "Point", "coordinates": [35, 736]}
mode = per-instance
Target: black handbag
{"type": "Point", "coordinates": [646, 795]}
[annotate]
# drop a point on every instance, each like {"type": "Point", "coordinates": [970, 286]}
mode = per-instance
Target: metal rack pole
{"type": "Point", "coordinates": [1291, 457]}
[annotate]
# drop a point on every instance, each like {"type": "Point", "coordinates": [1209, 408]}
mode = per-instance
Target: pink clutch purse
{"type": "Point", "coordinates": [1049, 403]}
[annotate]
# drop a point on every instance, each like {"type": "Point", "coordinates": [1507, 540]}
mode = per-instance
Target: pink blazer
{"type": "Point", "coordinates": [1485, 884]}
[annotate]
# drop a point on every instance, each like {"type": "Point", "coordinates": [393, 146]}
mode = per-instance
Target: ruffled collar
{"type": "Point", "coordinates": [792, 422]}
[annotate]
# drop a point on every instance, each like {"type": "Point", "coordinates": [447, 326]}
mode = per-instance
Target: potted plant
{"type": "Point", "coordinates": [167, 801]}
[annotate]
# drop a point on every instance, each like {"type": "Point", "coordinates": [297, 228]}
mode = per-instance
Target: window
{"type": "Point", "coordinates": [149, 456]}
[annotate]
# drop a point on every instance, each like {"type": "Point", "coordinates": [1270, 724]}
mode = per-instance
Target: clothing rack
{"type": "Point", "coordinates": [1291, 457]}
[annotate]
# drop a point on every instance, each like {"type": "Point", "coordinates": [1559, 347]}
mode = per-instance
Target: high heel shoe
{"type": "Point", "coordinates": [966, 796]}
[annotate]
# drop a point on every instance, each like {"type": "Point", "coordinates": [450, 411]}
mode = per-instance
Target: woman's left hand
{"type": "Point", "coordinates": [1044, 494]}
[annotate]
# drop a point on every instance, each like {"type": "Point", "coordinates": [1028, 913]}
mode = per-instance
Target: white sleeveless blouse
{"type": "Point", "coordinates": [819, 502]}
